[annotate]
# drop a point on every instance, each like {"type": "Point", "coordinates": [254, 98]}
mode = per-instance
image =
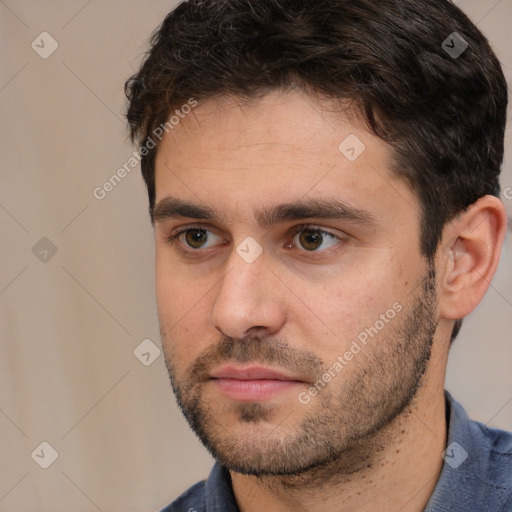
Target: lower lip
{"type": "Point", "coordinates": [253, 390]}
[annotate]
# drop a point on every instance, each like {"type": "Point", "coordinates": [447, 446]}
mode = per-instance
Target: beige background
{"type": "Point", "coordinates": [69, 326]}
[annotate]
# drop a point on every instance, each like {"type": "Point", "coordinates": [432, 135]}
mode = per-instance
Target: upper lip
{"type": "Point", "coordinates": [249, 373]}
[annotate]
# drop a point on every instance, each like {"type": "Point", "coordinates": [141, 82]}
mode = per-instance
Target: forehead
{"type": "Point", "coordinates": [284, 146]}
{"type": "Point", "coordinates": [272, 125]}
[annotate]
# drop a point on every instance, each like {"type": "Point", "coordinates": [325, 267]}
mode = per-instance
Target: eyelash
{"type": "Point", "coordinates": [173, 238]}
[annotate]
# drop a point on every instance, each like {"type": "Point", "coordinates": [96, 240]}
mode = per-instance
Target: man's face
{"type": "Point", "coordinates": [341, 308]}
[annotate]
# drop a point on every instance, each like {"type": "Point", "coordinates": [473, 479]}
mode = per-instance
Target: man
{"type": "Point", "coordinates": [323, 180]}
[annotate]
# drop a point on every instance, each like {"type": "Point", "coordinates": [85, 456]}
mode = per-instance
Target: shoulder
{"type": "Point", "coordinates": [477, 472]}
{"type": "Point", "coordinates": [495, 446]}
{"type": "Point", "coordinates": [192, 500]}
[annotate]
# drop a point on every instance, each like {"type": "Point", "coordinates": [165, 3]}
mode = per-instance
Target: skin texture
{"type": "Point", "coordinates": [376, 431]}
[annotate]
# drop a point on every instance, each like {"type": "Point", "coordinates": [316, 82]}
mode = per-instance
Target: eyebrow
{"type": "Point", "coordinates": [172, 208]}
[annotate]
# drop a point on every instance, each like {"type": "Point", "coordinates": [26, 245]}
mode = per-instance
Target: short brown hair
{"type": "Point", "coordinates": [444, 116]}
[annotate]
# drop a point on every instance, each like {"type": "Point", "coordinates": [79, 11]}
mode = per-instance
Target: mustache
{"type": "Point", "coordinates": [267, 351]}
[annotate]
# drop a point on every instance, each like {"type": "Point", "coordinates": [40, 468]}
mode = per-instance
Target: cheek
{"type": "Point", "coordinates": [183, 311]}
{"type": "Point", "coordinates": [174, 298]}
{"type": "Point", "coordinates": [336, 315]}
{"type": "Point", "coordinates": [174, 289]}
{"type": "Point", "coordinates": [340, 311]}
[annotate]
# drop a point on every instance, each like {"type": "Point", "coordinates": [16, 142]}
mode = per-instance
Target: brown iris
{"type": "Point", "coordinates": [310, 239]}
{"type": "Point", "coordinates": [195, 236]}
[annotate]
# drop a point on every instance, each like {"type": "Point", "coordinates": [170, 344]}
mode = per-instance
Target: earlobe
{"type": "Point", "coordinates": [471, 249]}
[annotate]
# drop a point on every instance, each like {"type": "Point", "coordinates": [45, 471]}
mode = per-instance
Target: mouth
{"type": "Point", "coordinates": [252, 383]}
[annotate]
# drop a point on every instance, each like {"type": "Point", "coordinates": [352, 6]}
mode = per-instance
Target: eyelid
{"type": "Point", "coordinates": [313, 227]}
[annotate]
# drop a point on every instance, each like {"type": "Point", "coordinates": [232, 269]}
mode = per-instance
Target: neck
{"type": "Point", "coordinates": [397, 467]}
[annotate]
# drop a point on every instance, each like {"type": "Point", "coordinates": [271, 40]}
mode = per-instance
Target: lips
{"type": "Point", "coordinates": [250, 373]}
{"type": "Point", "coordinates": [252, 384]}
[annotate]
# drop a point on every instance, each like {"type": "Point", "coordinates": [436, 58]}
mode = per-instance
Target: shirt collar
{"type": "Point", "coordinates": [219, 496]}
{"type": "Point", "coordinates": [464, 482]}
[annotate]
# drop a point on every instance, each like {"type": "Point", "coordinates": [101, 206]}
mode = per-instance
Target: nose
{"type": "Point", "coordinates": [248, 300]}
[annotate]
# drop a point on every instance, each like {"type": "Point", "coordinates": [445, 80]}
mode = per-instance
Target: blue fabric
{"type": "Point", "coordinates": [483, 481]}
{"type": "Point", "coordinates": [476, 475]}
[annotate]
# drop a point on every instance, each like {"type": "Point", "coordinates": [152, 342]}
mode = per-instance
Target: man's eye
{"type": "Point", "coordinates": [193, 238]}
{"type": "Point", "coordinates": [310, 238]}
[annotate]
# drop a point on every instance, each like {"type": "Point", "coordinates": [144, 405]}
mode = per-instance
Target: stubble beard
{"type": "Point", "coordinates": [339, 433]}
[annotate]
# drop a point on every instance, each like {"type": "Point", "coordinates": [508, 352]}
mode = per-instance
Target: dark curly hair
{"type": "Point", "coordinates": [443, 115]}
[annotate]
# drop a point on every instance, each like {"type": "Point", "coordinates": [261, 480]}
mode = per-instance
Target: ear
{"type": "Point", "coordinates": [469, 254]}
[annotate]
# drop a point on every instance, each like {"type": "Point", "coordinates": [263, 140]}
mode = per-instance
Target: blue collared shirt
{"type": "Point", "coordinates": [476, 475]}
